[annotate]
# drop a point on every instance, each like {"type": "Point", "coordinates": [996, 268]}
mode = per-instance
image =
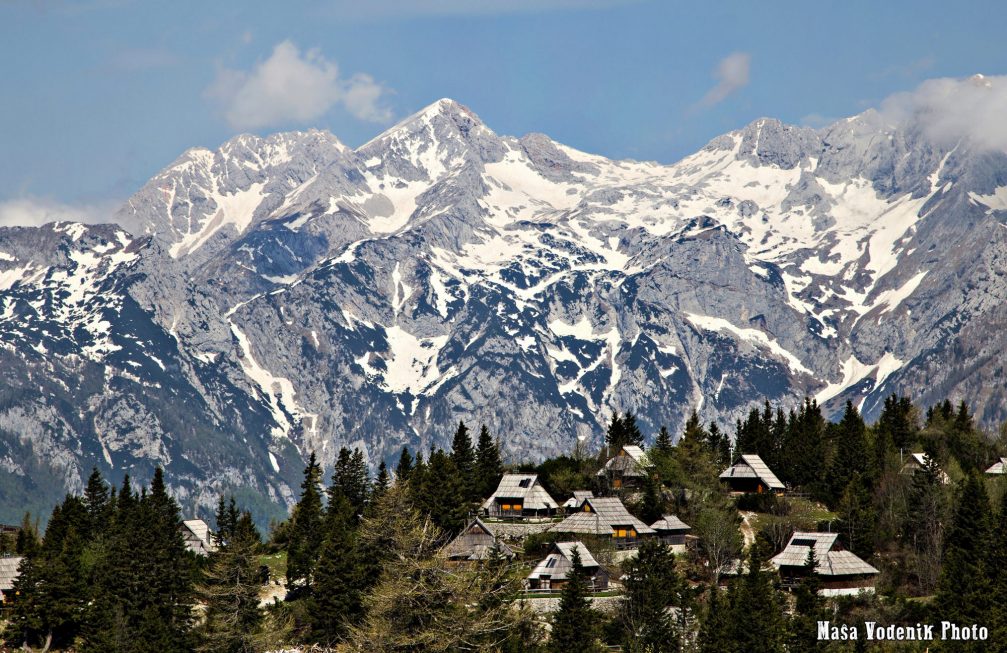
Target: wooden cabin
{"type": "Point", "coordinates": [672, 531]}
{"type": "Point", "coordinates": [840, 572]}
{"type": "Point", "coordinates": [627, 469]}
{"type": "Point", "coordinates": [520, 496]}
{"type": "Point", "coordinates": [9, 571]}
{"type": "Point", "coordinates": [918, 461]}
{"type": "Point", "coordinates": [606, 517]}
{"type": "Point", "coordinates": [751, 474]}
{"type": "Point", "coordinates": [476, 542]}
{"type": "Point", "coordinates": [552, 573]}
{"type": "Point", "coordinates": [198, 537]}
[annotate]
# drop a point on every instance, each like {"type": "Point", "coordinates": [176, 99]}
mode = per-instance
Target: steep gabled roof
{"type": "Point", "coordinates": [198, 537]}
{"type": "Point", "coordinates": [578, 498]}
{"type": "Point", "coordinates": [558, 564]}
{"type": "Point", "coordinates": [670, 523]}
{"type": "Point", "coordinates": [631, 460]}
{"type": "Point", "coordinates": [525, 487]}
{"type": "Point", "coordinates": [475, 542]}
{"type": "Point", "coordinates": [605, 513]}
{"type": "Point", "coordinates": [752, 466]}
{"type": "Point", "coordinates": [827, 561]}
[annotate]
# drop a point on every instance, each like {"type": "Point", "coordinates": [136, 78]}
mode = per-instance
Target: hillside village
{"type": "Point", "coordinates": [695, 543]}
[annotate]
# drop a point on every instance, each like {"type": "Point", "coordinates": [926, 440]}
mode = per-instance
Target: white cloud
{"type": "Point", "coordinates": [31, 211]}
{"type": "Point", "coordinates": [817, 120]}
{"type": "Point", "coordinates": [950, 110]}
{"type": "Point", "coordinates": [731, 74]}
{"type": "Point", "coordinates": [291, 88]}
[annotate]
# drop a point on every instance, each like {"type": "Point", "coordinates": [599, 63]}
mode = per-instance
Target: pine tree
{"type": "Point", "coordinates": [757, 609]}
{"type": "Point", "coordinates": [851, 454]}
{"type": "Point", "coordinates": [350, 480]}
{"type": "Point", "coordinates": [808, 609]}
{"type": "Point", "coordinates": [715, 631]}
{"type": "Point", "coordinates": [464, 457]}
{"type": "Point", "coordinates": [652, 506]}
{"type": "Point", "coordinates": [963, 592]}
{"type": "Point", "coordinates": [653, 586]}
{"type": "Point", "coordinates": [663, 446]}
{"type": "Point", "coordinates": [405, 465]}
{"type": "Point", "coordinates": [381, 482]}
{"type": "Point", "coordinates": [439, 493]}
{"type": "Point", "coordinates": [230, 591]}
{"type": "Point", "coordinates": [489, 467]}
{"type": "Point", "coordinates": [575, 624]}
{"type": "Point", "coordinates": [227, 519]}
{"type": "Point", "coordinates": [858, 517]}
{"type": "Point", "coordinates": [96, 499]}
{"type": "Point", "coordinates": [305, 530]}
{"type": "Point", "coordinates": [336, 594]}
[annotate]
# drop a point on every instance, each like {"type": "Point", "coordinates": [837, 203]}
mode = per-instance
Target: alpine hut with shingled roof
{"type": "Point", "coordinates": [751, 474]}
{"type": "Point", "coordinates": [520, 496]}
{"type": "Point", "coordinates": [840, 572]}
{"type": "Point", "coordinates": [627, 469]}
{"type": "Point", "coordinates": [672, 531]}
{"type": "Point", "coordinates": [553, 572]}
{"type": "Point", "coordinates": [606, 517]}
{"type": "Point", "coordinates": [476, 542]}
{"type": "Point", "coordinates": [9, 571]}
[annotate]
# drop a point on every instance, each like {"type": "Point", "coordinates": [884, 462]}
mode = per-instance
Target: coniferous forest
{"type": "Point", "coordinates": [361, 562]}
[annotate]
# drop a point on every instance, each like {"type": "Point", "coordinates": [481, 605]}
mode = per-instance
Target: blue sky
{"type": "Point", "coordinates": [98, 95]}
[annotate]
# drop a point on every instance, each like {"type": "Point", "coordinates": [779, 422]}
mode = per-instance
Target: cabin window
{"type": "Point", "coordinates": [587, 507]}
{"type": "Point", "coordinates": [619, 532]}
{"type": "Point", "coordinates": [506, 506]}
{"type": "Point", "coordinates": [617, 483]}
{"type": "Point", "coordinates": [517, 506]}
{"type": "Point", "coordinates": [632, 533]}
{"type": "Point", "coordinates": [524, 482]}
{"type": "Point", "coordinates": [550, 563]}
{"type": "Point", "coordinates": [759, 488]}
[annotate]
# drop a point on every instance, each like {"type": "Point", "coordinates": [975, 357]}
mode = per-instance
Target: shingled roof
{"type": "Point", "coordinates": [630, 461]}
{"type": "Point", "coordinates": [604, 513]}
{"type": "Point", "coordinates": [999, 467]}
{"type": "Point", "coordinates": [670, 523]}
{"type": "Point", "coordinates": [827, 561]}
{"type": "Point", "coordinates": [578, 498]}
{"type": "Point", "coordinates": [525, 487]}
{"type": "Point", "coordinates": [558, 564]}
{"type": "Point", "coordinates": [198, 537]}
{"type": "Point", "coordinates": [8, 573]}
{"type": "Point", "coordinates": [752, 466]}
{"type": "Point", "coordinates": [475, 542]}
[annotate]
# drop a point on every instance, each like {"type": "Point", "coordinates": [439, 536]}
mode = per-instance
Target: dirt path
{"type": "Point", "coordinates": [747, 531]}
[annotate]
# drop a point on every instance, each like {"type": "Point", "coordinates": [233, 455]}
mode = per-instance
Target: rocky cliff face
{"type": "Point", "coordinates": [288, 294]}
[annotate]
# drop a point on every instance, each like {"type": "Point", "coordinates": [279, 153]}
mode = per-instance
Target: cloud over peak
{"type": "Point", "coordinates": [291, 87]}
{"type": "Point", "coordinates": [949, 110]}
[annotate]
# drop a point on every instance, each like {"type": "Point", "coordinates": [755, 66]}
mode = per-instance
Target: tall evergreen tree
{"type": "Point", "coordinates": [405, 465]}
{"type": "Point", "coordinates": [715, 631]}
{"type": "Point", "coordinates": [464, 457]}
{"type": "Point", "coordinates": [858, 517]}
{"type": "Point", "coordinates": [440, 495]}
{"type": "Point", "coordinates": [489, 466]}
{"type": "Point", "coordinates": [230, 591]}
{"type": "Point", "coordinates": [963, 592]}
{"type": "Point", "coordinates": [350, 480]}
{"type": "Point", "coordinates": [337, 586]}
{"type": "Point", "coordinates": [653, 587]}
{"type": "Point", "coordinates": [305, 529]}
{"type": "Point", "coordinates": [663, 446]}
{"type": "Point", "coordinates": [809, 609]}
{"type": "Point", "coordinates": [575, 624]}
{"type": "Point", "coordinates": [381, 482]}
{"type": "Point", "coordinates": [852, 455]}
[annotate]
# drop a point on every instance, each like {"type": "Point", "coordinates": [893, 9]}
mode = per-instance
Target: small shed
{"type": "Point", "coordinates": [751, 474]}
{"type": "Point", "coordinates": [9, 571]}
{"type": "Point", "coordinates": [840, 572]}
{"type": "Point", "coordinates": [475, 543]}
{"type": "Point", "coordinates": [198, 537]}
{"type": "Point", "coordinates": [606, 517]}
{"type": "Point", "coordinates": [520, 496]}
{"type": "Point", "coordinates": [553, 572]}
{"type": "Point", "coordinates": [672, 531]}
{"type": "Point", "coordinates": [627, 469]}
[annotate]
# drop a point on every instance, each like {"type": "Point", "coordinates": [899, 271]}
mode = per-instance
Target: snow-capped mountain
{"type": "Point", "coordinates": [291, 294]}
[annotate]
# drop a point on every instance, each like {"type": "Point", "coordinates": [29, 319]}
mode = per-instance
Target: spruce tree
{"type": "Point", "coordinates": [305, 530]}
{"type": "Point", "coordinates": [808, 609]}
{"type": "Point", "coordinates": [663, 446]}
{"type": "Point", "coordinates": [575, 624]}
{"type": "Point", "coordinates": [381, 482]}
{"type": "Point", "coordinates": [230, 591]}
{"type": "Point", "coordinates": [464, 457]}
{"type": "Point", "coordinates": [96, 499]}
{"type": "Point", "coordinates": [852, 455]}
{"type": "Point", "coordinates": [440, 494]}
{"type": "Point", "coordinates": [405, 466]}
{"type": "Point", "coordinates": [652, 505]}
{"type": "Point", "coordinates": [715, 630]}
{"type": "Point", "coordinates": [858, 517]}
{"type": "Point", "coordinates": [757, 609]}
{"type": "Point", "coordinates": [489, 466]}
{"type": "Point", "coordinates": [336, 595]}
{"type": "Point", "coordinates": [350, 480]}
{"type": "Point", "coordinates": [963, 592]}
{"type": "Point", "coordinates": [653, 587]}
